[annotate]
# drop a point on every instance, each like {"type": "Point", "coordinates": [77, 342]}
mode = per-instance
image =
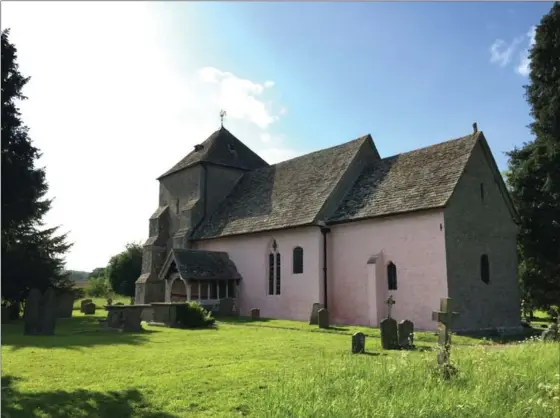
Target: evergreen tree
{"type": "Point", "coordinates": [534, 171]}
{"type": "Point", "coordinates": [32, 255]}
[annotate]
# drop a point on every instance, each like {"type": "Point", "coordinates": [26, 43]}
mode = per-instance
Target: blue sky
{"type": "Point", "coordinates": [411, 74]}
{"type": "Point", "coordinates": [120, 91]}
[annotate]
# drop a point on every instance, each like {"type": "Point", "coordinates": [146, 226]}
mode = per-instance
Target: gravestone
{"type": "Point", "coordinates": [358, 343]}
{"type": "Point", "coordinates": [314, 318]}
{"type": "Point", "coordinates": [388, 327]}
{"type": "Point", "coordinates": [551, 333]}
{"type": "Point", "coordinates": [323, 318]}
{"type": "Point", "coordinates": [50, 313]}
{"type": "Point", "coordinates": [389, 338]}
{"type": "Point", "coordinates": [65, 302]}
{"type": "Point", "coordinates": [255, 314]}
{"type": "Point", "coordinates": [109, 301]}
{"type": "Point", "coordinates": [32, 313]}
{"type": "Point", "coordinates": [226, 307]}
{"type": "Point", "coordinates": [89, 308]}
{"type": "Point", "coordinates": [444, 317]}
{"type": "Point", "coordinates": [406, 334]}
{"type": "Point", "coordinates": [84, 302]}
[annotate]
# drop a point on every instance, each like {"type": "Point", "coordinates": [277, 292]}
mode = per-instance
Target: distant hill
{"type": "Point", "coordinates": [79, 277]}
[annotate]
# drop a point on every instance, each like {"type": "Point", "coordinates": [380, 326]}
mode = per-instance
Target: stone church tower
{"type": "Point", "coordinates": [188, 194]}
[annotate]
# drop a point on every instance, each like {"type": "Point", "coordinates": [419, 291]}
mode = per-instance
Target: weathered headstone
{"type": "Point", "coordinates": [89, 308]}
{"type": "Point", "coordinates": [389, 338]}
{"type": "Point", "coordinates": [65, 302]}
{"type": "Point", "coordinates": [388, 327]}
{"type": "Point", "coordinates": [109, 301]}
{"type": "Point", "coordinates": [48, 318]}
{"type": "Point", "coordinates": [255, 314]}
{"type": "Point", "coordinates": [32, 313]}
{"type": "Point", "coordinates": [358, 343]}
{"type": "Point", "coordinates": [83, 303]}
{"type": "Point", "coordinates": [323, 318]}
{"type": "Point", "coordinates": [226, 307]}
{"type": "Point", "coordinates": [314, 318]}
{"type": "Point", "coordinates": [551, 333]}
{"type": "Point", "coordinates": [406, 334]}
{"type": "Point", "coordinates": [444, 317]}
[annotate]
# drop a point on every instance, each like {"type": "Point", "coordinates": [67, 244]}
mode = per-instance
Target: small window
{"type": "Point", "coordinates": [277, 273]}
{"type": "Point", "coordinates": [298, 260]}
{"type": "Point", "coordinates": [482, 191]}
{"type": "Point", "coordinates": [484, 269]}
{"type": "Point", "coordinates": [271, 274]}
{"type": "Point", "coordinates": [392, 276]}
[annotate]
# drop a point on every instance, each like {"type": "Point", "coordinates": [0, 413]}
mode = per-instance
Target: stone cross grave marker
{"type": "Point", "coordinates": [323, 318]}
{"type": "Point", "coordinates": [358, 343]}
{"type": "Point", "coordinates": [390, 302]}
{"type": "Point", "coordinates": [444, 317]}
{"type": "Point", "coordinates": [388, 326]}
{"type": "Point", "coordinates": [406, 334]}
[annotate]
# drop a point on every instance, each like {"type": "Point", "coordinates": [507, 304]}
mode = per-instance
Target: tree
{"type": "Point", "coordinates": [97, 272]}
{"type": "Point", "coordinates": [98, 287]}
{"type": "Point", "coordinates": [124, 268]}
{"type": "Point", "coordinates": [534, 171]}
{"type": "Point", "coordinates": [32, 255]}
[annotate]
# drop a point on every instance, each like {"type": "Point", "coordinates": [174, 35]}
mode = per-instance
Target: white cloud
{"type": "Point", "coordinates": [501, 52]}
{"type": "Point", "coordinates": [524, 64]}
{"type": "Point", "coordinates": [111, 109]}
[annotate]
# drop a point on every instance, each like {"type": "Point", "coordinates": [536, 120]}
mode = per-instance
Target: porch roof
{"type": "Point", "coordinates": [202, 265]}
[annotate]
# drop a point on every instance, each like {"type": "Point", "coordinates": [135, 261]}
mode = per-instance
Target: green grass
{"type": "Point", "coordinates": [266, 369]}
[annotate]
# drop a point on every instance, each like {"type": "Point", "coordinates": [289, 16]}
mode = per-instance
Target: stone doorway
{"type": "Point", "coordinates": [178, 290]}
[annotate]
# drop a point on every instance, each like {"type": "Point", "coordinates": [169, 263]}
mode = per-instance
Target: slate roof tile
{"type": "Point", "coordinates": [287, 194]}
{"type": "Point", "coordinates": [421, 179]}
{"type": "Point", "coordinates": [220, 148]}
{"type": "Point", "coordinates": [204, 265]}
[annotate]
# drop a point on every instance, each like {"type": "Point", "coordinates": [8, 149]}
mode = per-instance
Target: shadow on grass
{"type": "Point", "coordinates": [72, 333]}
{"type": "Point", "coordinates": [239, 319]}
{"type": "Point", "coordinates": [83, 403]}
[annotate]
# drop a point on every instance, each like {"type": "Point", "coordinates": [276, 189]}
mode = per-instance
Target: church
{"type": "Point", "coordinates": [342, 227]}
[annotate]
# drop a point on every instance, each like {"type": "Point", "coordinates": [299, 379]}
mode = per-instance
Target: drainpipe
{"type": "Point", "coordinates": [324, 230]}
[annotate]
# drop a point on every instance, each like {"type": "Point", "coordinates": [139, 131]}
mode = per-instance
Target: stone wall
{"type": "Point", "coordinates": [478, 221]}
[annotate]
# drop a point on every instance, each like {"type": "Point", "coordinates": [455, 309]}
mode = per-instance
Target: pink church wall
{"type": "Point", "coordinates": [250, 255]}
{"type": "Point", "coordinates": [414, 242]}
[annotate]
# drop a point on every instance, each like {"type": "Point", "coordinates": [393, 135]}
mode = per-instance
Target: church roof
{"type": "Point", "coordinates": [202, 265]}
{"type": "Point", "coordinates": [287, 194]}
{"type": "Point", "coordinates": [220, 148]}
{"type": "Point", "coordinates": [421, 179]}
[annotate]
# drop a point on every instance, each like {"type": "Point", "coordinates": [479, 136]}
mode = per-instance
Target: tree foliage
{"type": "Point", "coordinates": [98, 287]}
{"type": "Point", "coordinates": [124, 269]}
{"type": "Point", "coordinates": [32, 255]}
{"type": "Point", "coordinates": [534, 171]}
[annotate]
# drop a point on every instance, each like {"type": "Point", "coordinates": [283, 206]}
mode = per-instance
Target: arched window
{"type": "Point", "coordinates": [297, 261]}
{"type": "Point", "coordinates": [392, 276]}
{"type": "Point", "coordinates": [274, 261]}
{"type": "Point", "coordinates": [484, 269]}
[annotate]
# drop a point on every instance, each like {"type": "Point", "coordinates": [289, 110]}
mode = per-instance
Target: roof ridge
{"type": "Point", "coordinates": [321, 150]}
{"type": "Point", "coordinates": [476, 136]}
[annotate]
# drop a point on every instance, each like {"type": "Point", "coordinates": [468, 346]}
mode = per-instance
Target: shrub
{"type": "Point", "coordinates": [193, 315]}
{"type": "Point", "coordinates": [98, 287]}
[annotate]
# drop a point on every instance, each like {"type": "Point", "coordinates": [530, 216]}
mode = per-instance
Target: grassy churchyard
{"type": "Point", "coordinates": [269, 368]}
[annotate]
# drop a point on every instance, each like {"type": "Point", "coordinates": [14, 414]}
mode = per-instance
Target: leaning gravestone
{"type": "Point", "coordinates": [323, 318]}
{"type": "Point", "coordinates": [32, 313]}
{"type": "Point", "coordinates": [255, 314]}
{"type": "Point", "coordinates": [358, 343]}
{"type": "Point", "coordinates": [89, 308]}
{"type": "Point", "coordinates": [84, 302]}
{"type": "Point", "coordinates": [406, 334]}
{"type": "Point", "coordinates": [314, 318]}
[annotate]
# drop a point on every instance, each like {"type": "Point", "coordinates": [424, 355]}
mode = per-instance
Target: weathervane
{"type": "Point", "coordinates": [222, 114]}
